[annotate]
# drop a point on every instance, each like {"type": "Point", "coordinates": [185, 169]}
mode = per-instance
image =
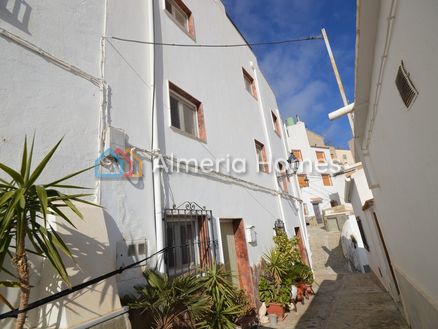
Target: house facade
{"type": "Point", "coordinates": [394, 129]}
{"type": "Point", "coordinates": [320, 188]}
{"type": "Point", "coordinates": [185, 139]}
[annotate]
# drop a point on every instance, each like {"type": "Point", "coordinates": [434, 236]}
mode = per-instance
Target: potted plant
{"type": "Point", "coordinates": [274, 286]}
{"type": "Point", "coordinates": [282, 268]}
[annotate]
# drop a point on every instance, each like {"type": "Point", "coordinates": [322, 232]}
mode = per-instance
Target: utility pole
{"type": "Point", "coordinates": [338, 77]}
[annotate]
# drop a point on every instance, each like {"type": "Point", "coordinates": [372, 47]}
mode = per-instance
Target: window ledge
{"type": "Point", "coordinates": [182, 132]}
{"type": "Point", "coordinates": [181, 28]}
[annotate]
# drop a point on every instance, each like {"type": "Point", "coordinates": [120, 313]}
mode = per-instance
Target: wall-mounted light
{"type": "Point", "coordinates": [279, 224]}
{"type": "Point", "coordinates": [293, 162]}
{"type": "Point", "coordinates": [251, 234]}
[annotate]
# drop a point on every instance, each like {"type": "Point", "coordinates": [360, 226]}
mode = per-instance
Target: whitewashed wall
{"type": "Point", "coordinates": [400, 163]}
{"type": "Point", "coordinates": [39, 96]}
{"type": "Point", "coordinates": [233, 120]}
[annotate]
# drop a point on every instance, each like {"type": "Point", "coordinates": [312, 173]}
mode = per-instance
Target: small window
{"type": "Point", "coordinates": [362, 234]}
{"type": "Point", "coordinates": [303, 180]}
{"type": "Point", "coordinates": [306, 209]}
{"type": "Point", "coordinates": [297, 154]}
{"type": "Point", "coordinates": [261, 157]}
{"type": "Point", "coordinates": [405, 86]}
{"type": "Point", "coordinates": [249, 83]}
{"type": "Point", "coordinates": [276, 123]}
{"type": "Point", "coordinates": [327, 181]}
{"type": "Point", "coordinates": [181, 15]}
{"type": "Point", "coordinates": [186, 113]}
{"type": "Point", "coordinates": [320, 156]}
{"type": "Point", "coordinates": [283, 178]}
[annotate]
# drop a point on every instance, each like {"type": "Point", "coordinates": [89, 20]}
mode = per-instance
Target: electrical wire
{"type": "Point", "coordinates": [255, 44]}
{"type": "Point", "coordinates": [63, 293]}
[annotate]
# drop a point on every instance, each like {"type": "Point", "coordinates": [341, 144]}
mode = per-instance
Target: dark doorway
{"type": "Point", "coordinates": [317, 212]}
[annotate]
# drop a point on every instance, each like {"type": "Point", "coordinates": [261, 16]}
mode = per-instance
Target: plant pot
{"type": "Point", "coordinates": [278, 309]}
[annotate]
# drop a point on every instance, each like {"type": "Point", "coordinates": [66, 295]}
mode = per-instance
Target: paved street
{"type": "Point", "coordinates": [343, 299]}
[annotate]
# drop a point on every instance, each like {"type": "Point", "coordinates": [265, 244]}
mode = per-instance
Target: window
{"type": "Point", "coordinates": [306, 209]}
{"type": "Point", "coordinates": [186, 113]}
{"type": "Point", "coordinates": [276, 123]}
{"type": "Point", "coordinates": [283, 179]}
{"type": "Point", "coordinates": [362, 234]}
{"type": "Point", "coordinates": [181, 15]}
{"type": "Point", "coordinates": [297, 154]}
{"type": "Point", "coordinates": [261, 157]}
{"type": "Point", "coordinates": [327, 181]}
{"type": "Point", "coordinates": [181, 241]}
{"type": "Point", "coordinates": [249, 83]}
{"type": "Point", "coordinates": [320, 156]}
{"type": "Point", "coordinates": [303, 180]}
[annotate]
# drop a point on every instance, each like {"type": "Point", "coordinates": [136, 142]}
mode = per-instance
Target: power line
{"type": "Point", "coordinates": [14, 313]}
{"type": "Point", "coordinates": [278, 42]}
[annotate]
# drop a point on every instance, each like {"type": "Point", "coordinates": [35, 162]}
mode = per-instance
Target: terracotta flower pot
{"type": "Point", "coordinates": [277, 309]}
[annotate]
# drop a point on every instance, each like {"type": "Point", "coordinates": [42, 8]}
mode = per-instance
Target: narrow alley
{"type": "Point", "coordinates": [343, 299]}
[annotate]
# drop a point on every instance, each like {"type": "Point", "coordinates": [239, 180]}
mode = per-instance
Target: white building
{"type": "Point", "coordinates": [372, 245]}
{"type": "Point", "coordinates": [395, 138]}
{"type": "Point", "coordinates": [320, 189]}
{"type": "Point", "coordinates": [72, 69]}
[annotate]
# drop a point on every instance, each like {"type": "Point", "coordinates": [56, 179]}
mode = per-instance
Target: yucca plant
{"type": "Point", "coordinates": [24, 206]}
{"type": "Point", "coordinates": [172, 303]}
{"type": "Point", "coordinates": [227, 302]}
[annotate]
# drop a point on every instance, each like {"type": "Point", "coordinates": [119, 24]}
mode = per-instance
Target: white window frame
{"type": "Point", "coordinates": [181, 102]}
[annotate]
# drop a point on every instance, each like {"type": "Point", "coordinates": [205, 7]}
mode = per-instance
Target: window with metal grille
{"type": "Point", "coordinates": [405, 86]}
{"type": "Point", "coordinates": [189, 238]}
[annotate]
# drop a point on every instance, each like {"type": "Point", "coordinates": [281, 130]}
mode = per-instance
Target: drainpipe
{"type": "Point", "coordinates": [156, 172]}
{"type": "Point", "coordinates": [268, 141]}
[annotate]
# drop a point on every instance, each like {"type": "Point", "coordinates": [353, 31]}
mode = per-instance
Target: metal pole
{"type": "Point", "coordinates": [338, 77]}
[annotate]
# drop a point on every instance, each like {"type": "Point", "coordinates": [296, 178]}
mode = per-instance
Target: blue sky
{"type": "Point", "coordinates": [300, 73]}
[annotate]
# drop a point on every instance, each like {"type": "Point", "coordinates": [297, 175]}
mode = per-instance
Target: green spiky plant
{"type": "Point", "coordinates": [172, 302]}
{"type": "Point", "coordinates": [227, 302]}
{"type": "Point", "coordinates": [24, 229]}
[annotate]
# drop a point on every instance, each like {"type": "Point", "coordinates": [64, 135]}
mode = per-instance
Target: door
{"type": "Point", "coordinates": [229, 250]}
{"type": "Point", "coordinates": [301, 247]}
{"type": "Point", "coordinates": [317, 212]}
{"type": "Point", "coordinates": [388, 259]}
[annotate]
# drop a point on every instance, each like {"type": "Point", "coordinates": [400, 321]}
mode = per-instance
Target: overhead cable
{"type": "Point", "coordinates": [195, 45]}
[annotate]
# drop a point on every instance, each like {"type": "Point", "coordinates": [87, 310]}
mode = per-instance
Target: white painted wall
{"type": "Point", "coordinates": [39, 96]}
{"type": "Point", "coordinates": [353, 246]}
{"type": "Point", "coordinates": [233, 119]}
{"type": "Point", "coordinates": [400, 159]}
{"type": "Point", "coordinates": [359, 193]}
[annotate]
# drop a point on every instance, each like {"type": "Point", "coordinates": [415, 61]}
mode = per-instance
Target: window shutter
{"type": "Point", "coordinates": [297, 154]}
{"type": "Point", "coordinates": [326, 180]}
{"type": "Point", "coordinates": [201, 123]}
